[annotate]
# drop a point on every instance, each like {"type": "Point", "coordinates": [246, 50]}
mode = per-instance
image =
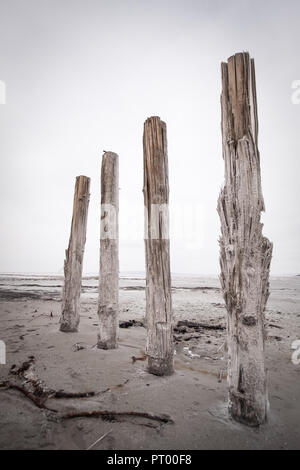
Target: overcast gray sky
{"type": "Point", "coordinates": [83, 75]}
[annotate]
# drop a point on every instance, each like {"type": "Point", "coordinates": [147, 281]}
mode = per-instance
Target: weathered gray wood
{"type": "Point", "coordinates": [157, 246]}
{"type": "Point", "coordinates": [245, 254]}
{"type": "Point", "coordinates": [69, 320]}
{"type": "Point", "coordinates": [108, 306]}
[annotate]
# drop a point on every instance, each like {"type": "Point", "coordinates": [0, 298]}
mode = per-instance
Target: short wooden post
{"type": "Point", "coordinates": [108, 306]}
{"type": "Point", "coordinates": [245, 254]}
{"type": "Point", "coordinates": [157, 246]}
{"type": "Point", "coordinates": [69, 320]}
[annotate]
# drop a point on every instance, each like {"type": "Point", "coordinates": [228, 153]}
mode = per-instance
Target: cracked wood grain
{"type": "Point", "coordinates": [159, 346]}
{"type": "Point", "coordinates": [70, 314]}
{"type": "Point", "coordinates": [108, 302]}
{"type": "Point", "coordinates": [245, 254]}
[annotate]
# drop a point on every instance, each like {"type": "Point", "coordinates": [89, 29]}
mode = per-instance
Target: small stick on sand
{"type": "Point", "coordinates": [99, 440]}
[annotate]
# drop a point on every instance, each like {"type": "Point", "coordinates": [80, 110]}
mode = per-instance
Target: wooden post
{"type": "Point", "coordinates": [108, 306]}
{"type": "Point", "coordinates": [245, 255]}
{"type": "Point", "coordinates": [157, 246]}
{"type": "Point", "coordinates": [69, 320]}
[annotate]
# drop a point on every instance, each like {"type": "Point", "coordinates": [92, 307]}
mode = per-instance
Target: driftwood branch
{"type": "Point", "coordinates": [37, 400]}
{"type": "Point", "coordinates": [41, 403]}
{"type": "Point", "coordinates": [37, 393]}
{"type": "Point", "coordinates": [34, 389]}
{"type": "Point", "coordinates": [163, 418]}
{"type": "Point", "coordinates": [198, 326]}
{"type": "Point", "coordinates": [186, 337]}
{"type": "Point", "coordinates": [62, 394]}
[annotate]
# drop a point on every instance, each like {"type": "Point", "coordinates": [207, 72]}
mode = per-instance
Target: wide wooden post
{"type": "Point", "coordinates": [69, 320]}
{"type": "Point", "coordinates": [157, 246]}
{"type": "Point", "coordinates": [245, 254]}
{"type": "Point", "coordinates": [108, 306]}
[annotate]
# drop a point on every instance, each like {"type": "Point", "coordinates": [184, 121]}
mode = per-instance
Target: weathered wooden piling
{"type": "Point", "coordinates": [70, 314]}
{"type": "Point", "coordinates": [159, 346]}
{"type": "Point", "coordinates": [245, 254]}
{"type": "Point", "coordinates": [108, 305]}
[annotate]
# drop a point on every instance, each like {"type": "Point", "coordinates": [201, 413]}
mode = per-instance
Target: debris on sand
{"type": "Point", "coordinates": [130, 323]}
{"type": "Point", "coordinates": [200, 326]}
{"type": "Point", "coordinates": [34, 389]}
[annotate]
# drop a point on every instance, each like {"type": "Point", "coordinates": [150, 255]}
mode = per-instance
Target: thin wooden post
{"type": "Point", "coordinates": [108, 306]}
{"type": "Point", "coordinates": [69, 320]}
{"type": "Point", "coordinates": [157, 247]}
{"type": "Point", "coordinates": [245, 254]}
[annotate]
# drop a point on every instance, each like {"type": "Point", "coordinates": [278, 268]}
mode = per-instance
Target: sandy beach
{"type": "Point", "coordinates": [194, 398]}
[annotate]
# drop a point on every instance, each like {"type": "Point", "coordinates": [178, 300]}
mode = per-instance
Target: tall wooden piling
{"type": "Point", "coordinates": [108, 305]}
{"type": "Point", "coordinates": [245, 254]}
{"type": "Point", "coordinates": [70, 314]}
{"type": "Point", "coordinates": [157, 247]}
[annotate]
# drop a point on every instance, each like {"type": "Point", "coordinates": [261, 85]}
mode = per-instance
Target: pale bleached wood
{"type": "Point", "coordinates": [245, 254]}
{"type": "Point", "coordinates": [70, 315]}
{"type": "Point", "coordinates": [108, 305]}
{"type": "Point", "coordinates": [159, 346]}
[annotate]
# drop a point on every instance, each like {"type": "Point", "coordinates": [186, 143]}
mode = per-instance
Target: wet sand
{"type": "Point", "coordinates": [195, 397]}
